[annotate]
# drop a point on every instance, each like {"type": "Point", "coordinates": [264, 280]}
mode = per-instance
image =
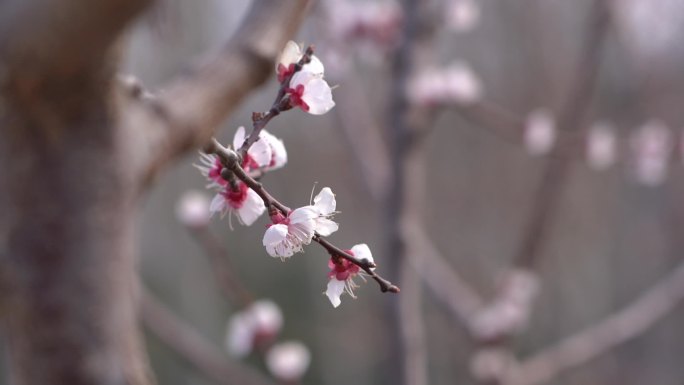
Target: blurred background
{"type": "Point", "coordinates": [616, 230]}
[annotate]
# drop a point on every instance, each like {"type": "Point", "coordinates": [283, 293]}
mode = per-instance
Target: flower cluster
{"type": "Point", "coordinates": [307, 89]}
{"type": "Point", "coordinates": [288, 234]}
{"type": "Point", "coordinates": [301, 85]}
{"type": "Point", "coordinates": [233, 196]}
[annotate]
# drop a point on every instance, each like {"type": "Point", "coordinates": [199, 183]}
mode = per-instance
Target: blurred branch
{"type": "Point", "coordinates": [491, 333]}
{"type": "Point", "coordinates": [356, 121]}
{"type": "Point", "coordinates": [554, 179]}
{"type": "Point", "coordinates": [372, 159]}
{"type": "Point", "coordinates": [626, 324]}
{"type": "Point", "coordinates": [44, 33]}
{"type": "Point", "coordinates": [190, 345]}
{"type": "Point", "coordinates": [188, 111]}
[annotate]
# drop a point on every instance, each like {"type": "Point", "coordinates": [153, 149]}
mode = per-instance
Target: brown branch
{"type": "Point", "coordinates": [188, 111]}
{"type": "Point", "coordinates": [77, 34]}
{"type": "Point", "coordinates": [547, 196]}
{"type": "Point", "coordinates": [231, 161]}
{"type": "Point", "coordinates": [626, 324]}
{"type": "Point", "coordinates": [190, 345]}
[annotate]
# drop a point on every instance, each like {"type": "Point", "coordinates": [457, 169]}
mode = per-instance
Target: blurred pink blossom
{"type": "Point", "coordinates": [601, 146]}
{"type": "Point", "coordinates": [462, 15]}
{"type": "Point", "coordinates": [288, 361]}
{"type": "Point", "coordinates": [540, 132]}
{"type": "Point", "coordinates": [652, 146]}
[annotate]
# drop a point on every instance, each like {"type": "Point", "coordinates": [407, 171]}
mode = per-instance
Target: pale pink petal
{"type": "Point", "coordinates": [261, 152]}
{"type": "Point", "coordinates": [218, 204]}
{"type": "Point", "coordinates": [303, 214]}
{"type": "Point", "coordinates": [278, 151]}
{"type": "Point", "coordinates": [315, 66]}
{"type": "Point", "coordinates": [275, 239]}
{"type": "Point", "coordinates": [251, 209]}
{"type": "Point", "coordinates": [325, 202]}
{"type": "Point", "coordinates": [325, 226]}
{"type": "Point", "coordinates": [303, 231]}
{"type": "Point", "coordinates": [290, 54]}
{"type": "Point", "coordinates": [318, 96]}
{"type": "Point", "coordinates": [239, 138]}
{"type": "Point", "coordinates": [334, 291]}
{"type": "Point", "coordinates": [301, 78]}
{"type": "Point", "coordinates": [362, 251]}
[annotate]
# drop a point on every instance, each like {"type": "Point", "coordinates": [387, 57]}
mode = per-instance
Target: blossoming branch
{"type": "Point", "coordinates": [230, 170]}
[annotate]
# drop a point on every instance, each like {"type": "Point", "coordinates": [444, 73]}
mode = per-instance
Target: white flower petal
{"type": "Point", "coordinates": [277, 243]}
{"type": "Point", "coordinates": [290, 54]}
{"type": "Point", "coordinates": [252, 208]}
{"type": "Point", "coordinates": [334, 291]}
{"type": "Point", "coordinates": [303, 231]}
{"type": "Point", "coordinates": [218, 204]}
{"type": "Point", "coordinates": [278, 151]}
{"type": "Point", "coordinates": [261, 152]}
{"type": "Point", "coordinates": [315, 66]}
{"type": "Point", "coordinates": [362, 251]}
{"type": "Point", "coordinates": [239, 138]}
{"type": "Point", "coordinates": [325, 201]}
{"type": "Point", "coordinates": [318, 96]}
{"type": "Point", "coordinates": [303, 214]}
{"type": "Point", "coordinates": [325, 226]}
{"type": "Point", "coordinates": [301, 78]}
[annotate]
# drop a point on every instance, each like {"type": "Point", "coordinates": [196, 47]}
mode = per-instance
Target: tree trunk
{"type": "Point", "coordinates": [66, 229]}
